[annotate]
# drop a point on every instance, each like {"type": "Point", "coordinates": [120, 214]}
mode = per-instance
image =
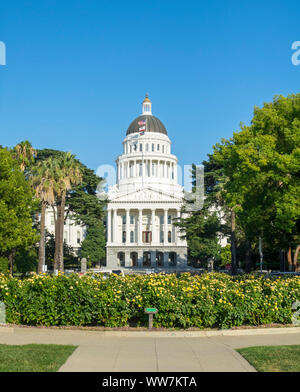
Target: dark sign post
{"type": "Point", "coordinates": [151, 312]}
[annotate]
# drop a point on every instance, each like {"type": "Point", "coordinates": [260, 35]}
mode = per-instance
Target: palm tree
{"type": "Point", "coordinates": [42, 180]}
{"type": "Point", "coordinates": [68, 173]}
{"type": "Point", "coordinates": [24, 153]}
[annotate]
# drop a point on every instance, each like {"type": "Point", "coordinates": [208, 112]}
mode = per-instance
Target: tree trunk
{"type": "Point", "coordinates": [233, 244]}
{"type": "Point", "coordinates": [11, 259]}
{"type": "Point", "coordinates": [296, 267]}
{"type": "Point", "coordinates": [248, 259]}
{"type": "Point", "coordinates": [289, 259]}
{"type": "Point", "coordinates": [42, 239]}
{"type": "Point", "coordinates": [61, 234]}
{"type": "Point", "coordinates": [57, 231]}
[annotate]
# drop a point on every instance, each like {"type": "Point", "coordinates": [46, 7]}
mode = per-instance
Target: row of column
{"type": "Point", "coordinates": [162, 169]}
{"type": "Point", "coordinates": [112, 226]}
{"type": "Point", "coordinates": [146, 147]}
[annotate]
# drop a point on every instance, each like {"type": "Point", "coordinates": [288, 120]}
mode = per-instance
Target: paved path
{"type": "Point", "coordinates": [101, 352]}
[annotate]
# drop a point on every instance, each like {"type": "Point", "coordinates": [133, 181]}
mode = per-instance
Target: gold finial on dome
{"type": "Point", "coordinates": [147, 105]}
{"type": "Point", "coordinates": [146, 98]}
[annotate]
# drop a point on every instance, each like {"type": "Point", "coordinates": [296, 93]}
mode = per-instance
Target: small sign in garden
{"type": "Point", "coordinates": [151, 312]}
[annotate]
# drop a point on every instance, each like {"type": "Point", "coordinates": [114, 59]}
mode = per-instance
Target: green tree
{"type": "Point", "coordinates": [17, 205]}
{"type": "Point", "coordinates": [82, 203]}
{"type": "Point", "coordinates": [262, 162]}
{"type": "Point", "coordinates": [93, 246]}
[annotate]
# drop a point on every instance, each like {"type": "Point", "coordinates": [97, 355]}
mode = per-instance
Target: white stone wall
{"type": "Point", "coordinates": [74, 234]}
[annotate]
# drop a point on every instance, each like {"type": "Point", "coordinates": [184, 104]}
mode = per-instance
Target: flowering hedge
{"type": "Point", "coordinates": [208, 300]}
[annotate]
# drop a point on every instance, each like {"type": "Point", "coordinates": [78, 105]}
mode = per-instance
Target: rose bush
{"type": "Point", "coordinates": [204, 301]}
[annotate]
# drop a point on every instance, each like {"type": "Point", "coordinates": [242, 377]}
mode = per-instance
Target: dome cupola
{"type": "Point", "coordinates": [152, 123]}
{"type": "Point", "coordinates": [147, 106]}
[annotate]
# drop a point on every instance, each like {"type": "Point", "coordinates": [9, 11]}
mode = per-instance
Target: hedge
{"type": "Point", "coordinates": [205, 301]}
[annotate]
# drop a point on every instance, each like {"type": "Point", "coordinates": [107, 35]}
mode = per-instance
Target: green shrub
{"type": "Point", "coordinates": [205, 301]}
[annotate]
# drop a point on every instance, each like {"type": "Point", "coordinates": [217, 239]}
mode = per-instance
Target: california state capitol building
{"type": "Point", "coordinates": [146, 200]}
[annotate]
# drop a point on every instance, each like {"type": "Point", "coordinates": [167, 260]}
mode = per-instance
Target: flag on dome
{"type": "Point", "coordinates": [142, 129]}
{"type": "Point", "coordinates": [142, 122]}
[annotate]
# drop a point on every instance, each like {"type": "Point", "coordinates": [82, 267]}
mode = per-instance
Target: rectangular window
{"type": "Point", "coordinates": [141, 147]}
{"type": "Point", "coordinates": [132, 219]}
{"type": "Point", "coordinates": [161, 219]}
{"type": "Point", "coordinates": [124, 219]}
{"type": "Point", "coordinates": [147, 236]}
{"type": "Point", "coordinates": [161, 236]}
{"type": "Point", "coordinates": [152, 147]}
{"type": "Point", "coordinates": [169, 219]}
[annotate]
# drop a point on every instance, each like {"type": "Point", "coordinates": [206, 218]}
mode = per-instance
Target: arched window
{"type": "Point", "coordinates": [124, 236]}
{"type": "Point", "coordinates": [131, 236]}
{"type": "Point", "coordinates": [78, 237]}
{"type": "Point", "coordinates": [163, 148]}
{"type": "Point", "coordinates": [152, 147]}
{"type": "Point", "coordinates": [169, 236]}
{"type": "Point", "coordinates": [141, 147]}
{"type": "Point", "coordinates": [158, 147]}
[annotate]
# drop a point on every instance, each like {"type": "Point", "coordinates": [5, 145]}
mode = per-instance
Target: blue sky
{"type": "Point", "coordinates": [77, 71]}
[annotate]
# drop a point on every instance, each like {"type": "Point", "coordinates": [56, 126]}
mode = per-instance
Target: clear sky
{"type": "Point", "coordinates": [77, 71]}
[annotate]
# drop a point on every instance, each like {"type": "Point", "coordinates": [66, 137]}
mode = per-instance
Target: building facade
{"type": "Point", "coordinates": [146, 200]}
{"type": "Point", "coordinates": [73, 233]}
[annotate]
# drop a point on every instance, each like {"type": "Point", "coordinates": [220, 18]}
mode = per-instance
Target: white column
{"type": "Point", "coordinates": [166, 226]}
{"type": "Point", "coordinates": [115, 228]}
{"type": "Point", "coordinates": [127, 259]}
{"type": "Point", "coordinates": [108, 226]}
{"type": "Point", "coordinates": [153, 227]}
{"type": "Point", "coordinates": [153, 258]}
{"type": "Point", "coordinates": [127, 227]}
{"type": "Point", "coordinates": [140, 230]}
{"type": "Point", "coordinates": [177, 232]}
{"type": "Point", "coordinates": [166, 259]}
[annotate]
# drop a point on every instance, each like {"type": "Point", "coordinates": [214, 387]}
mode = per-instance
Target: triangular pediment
{"type": "Point", "coordinates": [145, 194]}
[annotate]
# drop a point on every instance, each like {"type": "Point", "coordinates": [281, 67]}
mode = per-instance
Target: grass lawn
{"type": "Point", "coordinates": [33, 357]}
{"type": "Point", "coordinates": [273, 358]}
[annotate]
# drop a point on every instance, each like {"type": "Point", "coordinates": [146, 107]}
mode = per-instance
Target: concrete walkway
{"type": "Point", "coordinates": [155, 352]}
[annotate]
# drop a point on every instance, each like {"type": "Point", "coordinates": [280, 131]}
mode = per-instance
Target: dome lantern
{"type": "Point", "coordinates": [147, 106]}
